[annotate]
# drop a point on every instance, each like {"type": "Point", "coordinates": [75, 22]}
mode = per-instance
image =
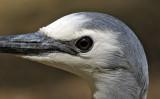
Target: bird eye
{"type": "Point", "coordinates": [84, 44]}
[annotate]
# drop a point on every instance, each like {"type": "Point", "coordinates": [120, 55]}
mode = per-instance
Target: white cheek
{"type": "Point", "coordinates": [103, 43]}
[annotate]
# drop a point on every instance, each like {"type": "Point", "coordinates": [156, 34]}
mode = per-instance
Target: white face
{"type": "Point", "coordinates": [66, 30]}
{"type": "Point", "coordinates": [114, 59]}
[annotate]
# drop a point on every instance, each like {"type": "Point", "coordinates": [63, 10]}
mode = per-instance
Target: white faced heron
{"type": "Point", "coordinates": [97, 47]}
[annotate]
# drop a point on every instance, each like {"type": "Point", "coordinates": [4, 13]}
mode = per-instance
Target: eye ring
{"type": "Point", "coordinates": [84, 44]}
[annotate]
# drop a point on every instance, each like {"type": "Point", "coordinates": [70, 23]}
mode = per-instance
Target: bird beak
{"type": "Point", "coordinates": [33, 44]}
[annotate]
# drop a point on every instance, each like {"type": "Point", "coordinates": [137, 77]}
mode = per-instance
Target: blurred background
{"type": "Point", "coordinates": [23, 79]}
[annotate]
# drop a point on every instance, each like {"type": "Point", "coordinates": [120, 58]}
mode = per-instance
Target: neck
{"type": "Point", "coordinates": [115, 85]}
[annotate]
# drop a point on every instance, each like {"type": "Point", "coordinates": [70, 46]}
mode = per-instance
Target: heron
{"type": "Point", "coordinates": [98, 47]}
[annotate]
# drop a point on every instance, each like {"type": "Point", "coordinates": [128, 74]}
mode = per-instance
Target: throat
{"type": "Point", "coordinates": [115, 86]}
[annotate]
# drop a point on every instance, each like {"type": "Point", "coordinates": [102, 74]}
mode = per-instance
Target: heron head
{"type": "Point", "coordinates": [94, 46]}
{"type": "Point", "coordinates": [85, 43]}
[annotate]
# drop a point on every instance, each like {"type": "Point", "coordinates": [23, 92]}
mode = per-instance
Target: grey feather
{"type": "Point", "coordinates": [132, 59]}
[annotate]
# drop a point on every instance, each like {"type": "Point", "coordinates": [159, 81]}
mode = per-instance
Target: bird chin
{"type": "Point", "coordinates": [34, 58]}
{"type": "Point", "coordinates": [46, 61]}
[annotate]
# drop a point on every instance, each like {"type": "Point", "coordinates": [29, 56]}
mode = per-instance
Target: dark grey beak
{"type": "Point", "coordinates": [34, 43]}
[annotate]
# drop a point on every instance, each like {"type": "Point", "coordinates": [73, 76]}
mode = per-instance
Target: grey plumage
{"type": "Point", "coordinates": [115, 68]}
{"type": "Point", "coordinates": [131, 60]}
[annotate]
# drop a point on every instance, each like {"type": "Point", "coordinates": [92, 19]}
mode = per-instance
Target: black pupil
{"type": "Point", "coordinates": [84, 44]}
